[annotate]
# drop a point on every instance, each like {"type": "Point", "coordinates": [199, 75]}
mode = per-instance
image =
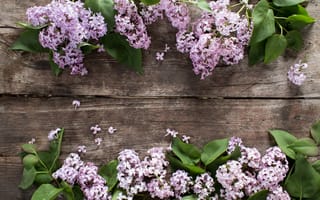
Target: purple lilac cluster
{"type": "Point", "coordinates": [67, 25]}
{"type": "Point", "coordinates": [253, 172]}
{"type": "Point", "coordinates": [204, 186]}
{"type": "Point", "coordinates": [295, 73]}
{"type": "Point", "coordinates": [217, 37]}
{"type": "Point", "coordinates": [130, 24]}
{"type": "Point", "coordinates": [74, 170]}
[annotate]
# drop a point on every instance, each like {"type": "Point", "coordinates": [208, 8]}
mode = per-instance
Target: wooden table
{"type": "Point", "coordinates": [238, 100]}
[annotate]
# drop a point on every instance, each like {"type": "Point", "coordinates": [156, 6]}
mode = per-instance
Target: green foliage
{"type": "Point", "coordinates": [190, 197]}
{"type": "Point", "coordinates": [28, 177]}
{"type": "Point", "coordinates": [118, 47]}
{"type": "Point", "coordinates": [109, 172]}
{"type": "Point", "coordinates": [28, 41]}
{"type": "Point", "coordinates": [56, 70]}
{"type": "Point", "coordinates": [150, 2]}
{"type": "Point", "coordinates": [187, 153]}
{"type": "Point", "coordinates": [259, 195]}
{"type": "Point", "coordinates": [305, 146]}
{"type": "Point", "coordinates": [283, 140]}
{"type": "Point", "coordinates": [105, 7]}
{"type": "Point", "coordinates": [46, 192]}
{"type": "Point", "coordinates": [277, 26]}
{"type": "Point", "coordinates": [275, 46]}
{"type": "Point", "coordinates": [213, 150]}
{"type": "Point", "coordinates": [304, 182]}
{"type": "Point", "coordinates": [176, 164]}
{"type": "Point", "coordinates": [203, 4]}
{"type": "Point", "coordinates": [30, 160]}
{"type": "Point", "coordinates": [315, 132]}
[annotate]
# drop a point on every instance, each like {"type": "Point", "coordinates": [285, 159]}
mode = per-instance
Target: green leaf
{"type": "Point", "coordinates": [42, 178]}
{"type": "Point", "coordinates": [55, 149]}
{"type": "Point", "coordinates": [260, 12]}
{"type": "Point", "coordinates": [187, 153]}
{"type": "Point", "coordinates": [29, 148]}
{"type": "Point", "coordinates": [316, 166]}
{"type": "Point", "coordinates": [315, 132]}
{"type": "Point", "coordinates": [78, 195]}
{"type": "Point", "coordinates": [263, 28]}
{"type": "Point", "coordinates": [284, 3]}
{"type": "Point", "coordinates": [190, 197]}
{"type": "Point", "coordinates": [29, 26]}
{"type": "Point", "coordinates": [30, 161]}
{"type": "Point", "coordinates": [56, 70]}
{"type": "Point", "coordinates": [87, 48]}
{"type": "Point", "coordinates": [256, 52]}
{"type": "Point", "coordinates": [294, 40]}
{"type": "Point", "coordinates": [116, 194]}
{"type": "Point", "coordinates": [298, 22]}
{"type": "Point", "coordinates": [105, 7]}
{"type": "Point", "coordinates": [150, 2]}
{"type": "Point", "coordinates": [28, 41]}
{"type": "Point", "coordinates": [118, 47]}
{"type": "Point", "coordinates": [305, 146]}
{"type": "Point", "coordinates": [283, 140]}
{"type": "Point", "coordinates": [275, 46]}
{"type": "Point", "coordinates": [176, 164]}
{"type": "Point", "coordinates": [28, 177]}
{"type": "Point", "coordinates": [259, 195]}
{"type": "Point", "coordinates": [67, 191]}
{"type": "Point", "coordinates": [109, 172]}
{"type": "Point", "coordinates": [213, 150]}
{"type": "Point", "coordinates": [46, 192]}
{"type": "Point", "coordinates": [203, 4]}
{"type": "Point", "coordinates": [304, 181]}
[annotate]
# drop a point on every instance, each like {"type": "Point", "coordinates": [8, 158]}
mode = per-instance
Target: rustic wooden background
{"type": "Point", "coordinates": [239, 100]}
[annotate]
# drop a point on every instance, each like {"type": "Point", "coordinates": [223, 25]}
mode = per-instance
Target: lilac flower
{"type": "Point", "coordinates": [295, 73]}
{"type": "Point", "coordinates": [111, 130]}
{"type": "Point", "coordinates": [53, 134]}
{"type": "Point", "coordinates": [250, 157]}
{"type": "Point", "coordinates": [95, 129]}
{"type": "Point", "coordinates": [172, 133]}
{"type": "Point", "coordinates": [152, 13]}
{"type": "Point", "coordinates": [185, 41]}
{"type": "Point", "coordinates": [233, 143]}
{"type": "Point", "coordinates": [181, 182]}
{"type": "Point", "coordinates": [130, 24]}
{"type": "Point", "coordinates": [177, 13]}
{"type": "Point", "coordinates": [160, 188]}
{"type": "Point", "coordinates": [76, 103]}
{"type": "Point", "coordinates": [278, 194]}
{"type": "Point", "coordinates": [203, 186]}
{"type": "Point", "coordinates": [98, 141]}
{"type": "Point", "coordinates": [32, 141]}
{"type": "Point", "coordinates": [159, 56]}
{"type": "Point", "coordinates": [185, 138]}
{"type": "Point", "coordinates": [166, 48]}
{"type": "Point", "coordinates": [82, 149]}
{"type": "Point", "coordinates": [154, 165]}
{"type": "Point", "coordinates": [66, 25]}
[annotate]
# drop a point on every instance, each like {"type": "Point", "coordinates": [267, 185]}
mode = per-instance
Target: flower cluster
{"type": "Point", "coordinates": [295, 73]}
{"type": "Point", "coordinates": [74, 170]}
{"type": "Point", "coordinates": [130, 24]}
{"type": "Point", "coordinates": [67, 25]}
{"type": "Point", "coordinates": [253, 172]}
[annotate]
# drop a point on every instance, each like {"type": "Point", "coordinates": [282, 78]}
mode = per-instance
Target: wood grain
{"type": "Point", "coordinates": [141, 124]}
{"type": "Point", "coordinates": [25, 73]}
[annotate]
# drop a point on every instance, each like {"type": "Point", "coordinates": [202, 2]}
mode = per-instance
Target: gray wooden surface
{"type": "Point", "coordinates": [239, 100]}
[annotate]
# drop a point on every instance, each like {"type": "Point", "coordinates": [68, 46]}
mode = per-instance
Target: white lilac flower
{"type": "Point", "coordinates": [295, 73]}
{"type": "Point", "coordinates": [181, 182]}
{"type": "Point", "coordinates": [166, 48]}
{"type": "Point", "coordinates": [111, 130]}
{"type": "Point", "coordinates": [32, 141]}
{"type": "Point", "coordinates": [159, 56]}
{"type": "Point", "coordinates": [171, 133]}
{"type": "Point", "coordinates": [98, 141]}
{"type": "Point", "coordinates": [185, 138]}
{"type": "Point", "coordinates": [76, 104]}
{"type": "Point", "coordinates": [95, 129]}
{"type": "Point", "coordinates": [82, 149]}
{"type": "Point", "coordinates": [154, 165]}
{"type": "Point", "coordinates": [160, 188]}
{"type": "Point", "coordinates": [54, 134]}
{"type": "Point", "coordinates": [203, 186]}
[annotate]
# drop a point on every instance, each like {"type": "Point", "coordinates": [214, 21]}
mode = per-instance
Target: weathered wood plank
{"type": "Point", "coordinates": [24, 73]}
{"type": "Point", "coordinates": [141, 124]}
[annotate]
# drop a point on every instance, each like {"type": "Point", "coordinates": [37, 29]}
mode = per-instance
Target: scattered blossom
{"type": "Point", "coordinates": [76, 104]}
{"type": "Point", "coordinates": [66, 25]}
{"type": "Point", "coordinates": [295, 73]}
{"type": "Point", "coordinates": [82, 149]}
{"type": "Point", "coordinates": [111, 130]}
{"type": "Point", "coordinates": [185, 138]}
{"type": "Point", "coordinates": [32, 141]}
{"type": "Point", "coordinates": [171, 133]}
{"type": "Point", "coordinates": [95, 129]}
{"type": "Point", "coordinates": [98, 141]}
{"type": "Point", "coordinates": [159, 56]}
{"type": "Point", "coordinates": [166, 48]}
{"type": "Point", "coordinates": [53, 134]}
